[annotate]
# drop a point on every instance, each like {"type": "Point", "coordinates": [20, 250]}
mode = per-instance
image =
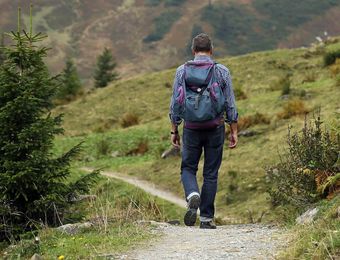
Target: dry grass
{"type": "Point", "coordinates": [129, 119]}
{"type": "Point", "coordinates": [251, 120]}
{"type": "Point", "coordinates": [292, 108]}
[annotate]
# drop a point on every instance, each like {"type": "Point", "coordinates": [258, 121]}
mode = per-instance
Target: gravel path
{"type": "Point", "coordinates": [225, 242]}
{"type": "Point", "coordinates": [191, 243]}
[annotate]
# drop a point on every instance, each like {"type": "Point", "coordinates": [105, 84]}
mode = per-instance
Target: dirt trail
{"type": "Point", "coordinates": [179, 242]}
{"type": "Point", "coordinates": [144, 185]}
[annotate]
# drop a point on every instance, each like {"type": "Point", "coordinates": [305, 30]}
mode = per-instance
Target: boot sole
{"type": "Point", "coordinates": [191, 214]}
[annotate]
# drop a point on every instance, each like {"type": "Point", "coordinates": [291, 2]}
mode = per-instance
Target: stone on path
{"type": "Point", "coordinates": [307, 217]}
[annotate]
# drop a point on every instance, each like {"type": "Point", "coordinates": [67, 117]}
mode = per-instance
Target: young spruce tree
{"type": "Point", "coordinates": [104, 72]}
{"type": "Point", "coordinates": [33, 185]}
{"type": "Point", "coordinates": [70, 82]}
{"type": "Point", "coordinates": [2, 45]}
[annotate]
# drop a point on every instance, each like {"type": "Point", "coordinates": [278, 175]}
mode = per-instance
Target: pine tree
{"type": "Point", "coordinates": [71, 85]}
{"type": "Point", "coordinates": [33, 185]}
{"type": "Point", "coordinates": [2, 45]}
{"type": "Point", "coordinates": [104, 72]}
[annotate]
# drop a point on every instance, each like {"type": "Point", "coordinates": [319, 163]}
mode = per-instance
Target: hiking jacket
{"type": "Point", "coordinates": [224, 79]}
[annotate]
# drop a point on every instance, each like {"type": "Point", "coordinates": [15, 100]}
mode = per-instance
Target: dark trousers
{"type": "Point", "coordinates": [194, 141]}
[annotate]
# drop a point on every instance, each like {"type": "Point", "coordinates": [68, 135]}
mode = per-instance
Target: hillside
{"type": "Point", "coordinates": [152, 35]}
{"type": "Point", "coordinates": [96, 119]}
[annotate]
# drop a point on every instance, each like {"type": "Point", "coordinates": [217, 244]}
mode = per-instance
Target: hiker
{"type": "Point", "coordinates": [203, 98]}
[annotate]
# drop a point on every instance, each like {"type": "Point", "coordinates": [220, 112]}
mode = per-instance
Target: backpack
{"type": "Point", "coordinates": [200, 98]}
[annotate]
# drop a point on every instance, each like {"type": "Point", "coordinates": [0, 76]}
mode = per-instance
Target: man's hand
{"type": "Point", "coordinates": [176, 140]}
{"type": "Point", "coordinates": [233, 136]}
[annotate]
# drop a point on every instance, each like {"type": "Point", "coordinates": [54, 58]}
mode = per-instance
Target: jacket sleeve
{"type": "Point", "coordinates": [175, 119]}
{"type": "Point", "coordinates": [231, 108]}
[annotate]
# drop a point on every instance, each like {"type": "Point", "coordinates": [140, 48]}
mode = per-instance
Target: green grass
{"type": "Point", "coordinates": [242, 193]}
{"type": "Point", "coordinates": [86, 119]}
{"type": "Point", "coordinates": [121, 204]}
{"type": "Point", "coordinates": [319, 240]}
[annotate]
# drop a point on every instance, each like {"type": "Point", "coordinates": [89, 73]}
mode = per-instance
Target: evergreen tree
{"type": "Point", "coordinates": [33, 186]}
{"type": "Point", "coordinates": [104, 72]}
{"type": "Point", "coordinates": [70, 82]}
{"type": "Point", "coordinates": [2, 45]}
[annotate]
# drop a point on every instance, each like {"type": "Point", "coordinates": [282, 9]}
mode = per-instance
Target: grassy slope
{"type": "Point", "coordinates": [121, 204]}
{"type": "Point", "coordinates": [95, 119]}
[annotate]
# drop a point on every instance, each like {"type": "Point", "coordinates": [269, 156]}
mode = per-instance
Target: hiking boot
{"type": "Point", "coordinates": [208, 225]}
{"type": "Point", "coordinates": [191, 214]}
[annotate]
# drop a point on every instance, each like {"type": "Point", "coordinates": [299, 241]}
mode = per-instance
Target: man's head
{"type": "Point", "coordinates": [202, 44]}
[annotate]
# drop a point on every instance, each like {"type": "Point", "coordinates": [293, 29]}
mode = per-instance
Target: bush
{"type": "Point", "coordinates": [308, 171]}
{"type": "Point", "coordinates": [335, 68]}
{"type": "Point", "coordinates": [293, 108]}
{"type": "Point", "coordinates": [141, 149]}
{"type": "Point", "coordinates": [239, 93]}
{"type": "Point", "coordinates": [285, 86]}
{"type": "Point", "coordinates": [103, 147]}
{"type": "Point", "coordinates": [129, 119]}
{"type": "Point", "coordinates": [251, 120]}
{"type": "Point", "coordinates": [329, 58]}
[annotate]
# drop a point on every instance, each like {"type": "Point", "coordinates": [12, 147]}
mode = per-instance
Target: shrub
{"type": "Point", "coordinates": [129, 119]}
{"type": "Point", "coordinates": [285, 86]}
{"type": "Point", "coordinates": [308, 170]}
{"type": "Point", "coordinates": [309, 76]}
{"type": "Point", "coordinates": [293, 108]}
{"type": "Point", "coordinates": [335, 68]}
{"type": "Point", "coordinates": [251, 120]}
{"type": "Point", "coordinates": [329, 58]}
{"type": "Point", "coordinates": [239, 93]}
{"type": "Point", "coordinates": [103, 147]}
{"type": "Point", "coordinates": [141, 149]}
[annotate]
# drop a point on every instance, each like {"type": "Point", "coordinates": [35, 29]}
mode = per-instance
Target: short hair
{"type": "Point", "coordinates": [201, 43]}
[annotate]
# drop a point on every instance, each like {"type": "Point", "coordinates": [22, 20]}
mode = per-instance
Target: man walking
{"type": "Point", "coordinates": [203, 98]}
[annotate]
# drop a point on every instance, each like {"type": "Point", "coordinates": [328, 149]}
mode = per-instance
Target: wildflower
{"type": "Point", "coordinates": [306, 171]}
{"type": "Point", "coordinates": [61, 257]}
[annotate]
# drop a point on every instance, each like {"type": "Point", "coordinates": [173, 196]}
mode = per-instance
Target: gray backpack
{"type": "Point", "coordinates": [200, 98]}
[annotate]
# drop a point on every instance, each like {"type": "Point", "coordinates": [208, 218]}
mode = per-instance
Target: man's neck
{"type": "Point", "coordinates": [202, 54]}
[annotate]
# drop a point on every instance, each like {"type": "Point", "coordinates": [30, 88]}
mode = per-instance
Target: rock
{"type": "Point", "coordinates": [151, 222]}
{"type": "Point", "coordinates": [247, 133]}
{"type": "Point", "coordinates": [174, 222]}
{"type": "Point", "coordinates": [115, 154]}
{"type": "Point", "coordinates": [307, 217]}
{"type": "Point", "coordinates": [36, 257]}
{"type": "Point", "coordinates": [284, 97]}
{"type": "Point", "coordinates": [75, 228]}
{"type": "Point", "coordinates": [171, 152]}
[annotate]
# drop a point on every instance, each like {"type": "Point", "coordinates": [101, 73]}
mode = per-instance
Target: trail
{"type": "Point", "coordinates": [247, 241]}
{"type": "Point", "coordinates": [144, 185]}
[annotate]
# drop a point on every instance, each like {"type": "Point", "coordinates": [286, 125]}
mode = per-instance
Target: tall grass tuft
{"type": "Point", "coordinates": [129, 119]}
{"type": "Point", "coordinates": [292, 108]}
